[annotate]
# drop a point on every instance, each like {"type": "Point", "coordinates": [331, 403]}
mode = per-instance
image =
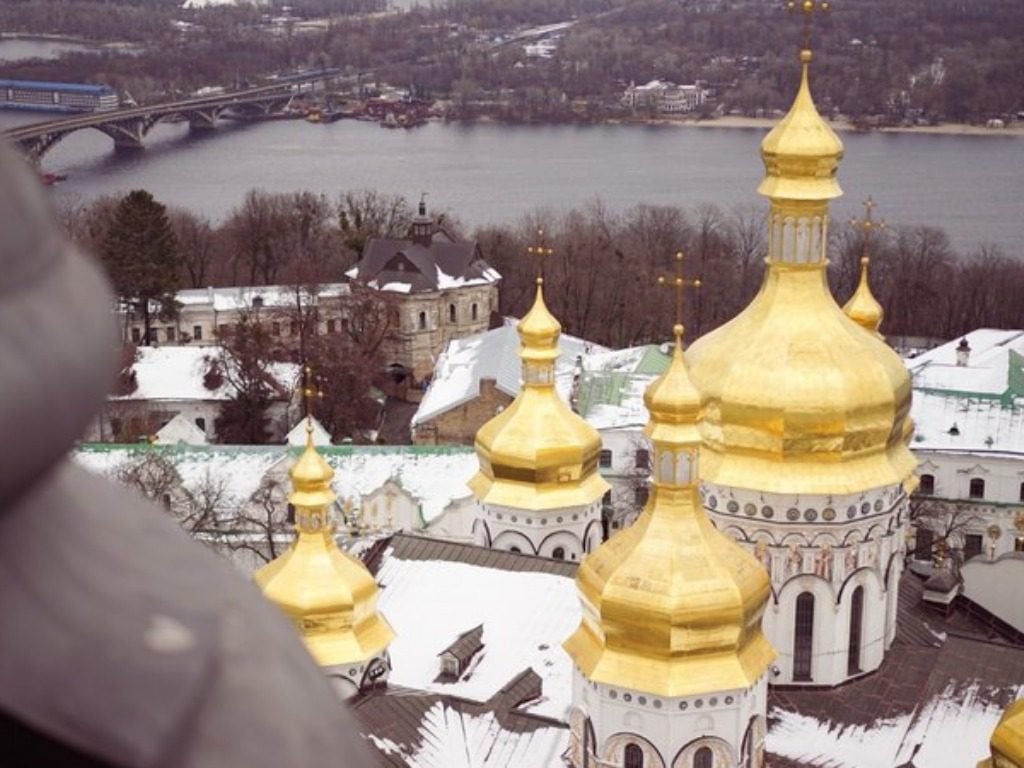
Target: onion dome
{"type": "Point", "coordinates": [671, 606]}
{"type": "Point", "coordinates": [330, 595]}
{"type": "Point", "coordinates": [801, 153]}
{"type": "Point", "coordinates": [1007, 742]}
{"type": "Point", "coordinates": [537, 454]}
{"type": "Point", "coordinates": [799, 399]}
{"type": "Point", "coordinates": [863, 308]}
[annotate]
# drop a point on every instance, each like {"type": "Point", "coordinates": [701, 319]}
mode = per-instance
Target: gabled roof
{"type": "Point", "coordinates": [493, 354]}
{"type": "Point", "coordinates": [177, 373]}
{"type": "Point", "coordinates": [180, 430]}
{"type": "Point", "coordinates": [613, 384]}
{"type": "Point", "coordinates": [466, 645]}
{"type": "Point", "coordinates": [405, 266]}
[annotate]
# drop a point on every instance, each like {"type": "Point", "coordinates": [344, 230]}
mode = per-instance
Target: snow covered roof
{"type": "Point", "coordinates": [177, 373]}
{"type": "Point", "coordinates": [493, 354]}
{"type": "Point", "coordinates": [408, 266]}
{"type": "Point", "coordinates": [977, 407]}
{"type": "Point", "coordinates": [435, 476]}
{"type": "Point", "coordinates": [613, 384]}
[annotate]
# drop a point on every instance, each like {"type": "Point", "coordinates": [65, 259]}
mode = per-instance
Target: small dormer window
{"type": "Point", "coordinates": [257, 303]}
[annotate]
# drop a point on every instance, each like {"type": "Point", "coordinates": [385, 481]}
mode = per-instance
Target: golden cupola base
{"type": "Point", "coordinates": [537, 454]}
{"type": "Point", "coordinates": [329, 595]}
{"type": "Point", "coordinates": [1007, 742]}
{"type": "Point", "coordinates": [672, 607]}
{"type": "Point", "coordinates": [799, 399]}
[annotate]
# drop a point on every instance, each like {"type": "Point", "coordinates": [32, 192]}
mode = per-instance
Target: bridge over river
{"type": "Point", "coordinates": [128, 127]}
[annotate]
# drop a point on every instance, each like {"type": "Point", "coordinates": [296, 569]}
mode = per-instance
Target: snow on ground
{"type": "Point", "coordinates": [526, 616]}
{"type": "Point", "coordinates": [806, 739]}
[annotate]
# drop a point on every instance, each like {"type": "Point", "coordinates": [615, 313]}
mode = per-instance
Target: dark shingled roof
{"type": "Point", "coordinates": [418, 266]}
{"type": "Point", "coordinates": [408, 547]}
{"type": "Point", "coordinates": [465, 646]}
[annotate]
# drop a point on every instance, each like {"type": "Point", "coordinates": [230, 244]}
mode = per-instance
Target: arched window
{"type": "Point", "coordinates": [703, 758]}
{"type": "Point", "coordinates": [605, 458]}
{"type": "Point", "coordinates": [856, 622]}
{"type": "Point", "coordinates": [977, 488]}
{"type": "Point", "coordinates": [558, 553]}
{"type": "Point", "coordinates": [515, 549]}
{"type": "Point", "coordinates": [423, 321]}
{"type": "Point", "coordinates": [474, 311]}
{"type": "Point", "coordinates": [927, 487]}
{"type": "Point", "coordinates": [451, 312]}
{"type": "Point", "coordinates": [803, 636]}
{"type": "Point", "coordinates": [634, 757]}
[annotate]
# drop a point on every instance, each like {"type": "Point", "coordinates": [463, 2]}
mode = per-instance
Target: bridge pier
{"type": "Point", "coordinates": [203, 120]}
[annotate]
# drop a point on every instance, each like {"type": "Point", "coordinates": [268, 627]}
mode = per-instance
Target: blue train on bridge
{"type": "Point", "coordinates": [56, 97]}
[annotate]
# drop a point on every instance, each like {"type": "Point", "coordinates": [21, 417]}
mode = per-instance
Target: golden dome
{"type": "Point", "coordinates": [330, 595]}
{"type": "Point", "coordinates": [671, 606]}
{"type": "Point", "coordinates": [537, 454]}
{"type": "Point", "coordinates": [863, 308]}
{"type": "Point", "coordinates": [799, 399]}
{"type": "Point", "coordinates": [1007, 742]}
{"type": "Point", "coordinates": [802, 152]}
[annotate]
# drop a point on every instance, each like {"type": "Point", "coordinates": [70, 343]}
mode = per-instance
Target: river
{"type": "Point", "coordinates": [486, 172]}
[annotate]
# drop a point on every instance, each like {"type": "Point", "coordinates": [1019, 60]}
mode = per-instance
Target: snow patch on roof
{"type": "Point", "coordinates": [454, 739]}
{"type": "Point", "coordinates": [430, 602]}
{"type": "Point", "coordinates": [807, 740]}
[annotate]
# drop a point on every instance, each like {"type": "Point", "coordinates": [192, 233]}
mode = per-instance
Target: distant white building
{"type": "Point", "coordinates": [968, 412]}
{"type": "Point", "coordinates": [206, 314]}
{"type": "Point", "coordinates": [665, 96]}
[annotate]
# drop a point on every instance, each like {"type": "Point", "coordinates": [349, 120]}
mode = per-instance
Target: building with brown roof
{"type": "Point", "coordinates": [441, 289]}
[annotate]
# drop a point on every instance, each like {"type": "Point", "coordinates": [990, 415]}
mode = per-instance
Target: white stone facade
{"type": "Point", "coordinates": [349, 679]}
{"type": "Point", "coordinates": [723, 729]}
{"type": "Point", "coordinates": [845, 552]}
{"type": "Point", "coordinates": [566, 533]}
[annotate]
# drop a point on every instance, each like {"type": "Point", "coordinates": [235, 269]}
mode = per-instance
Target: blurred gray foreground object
{"type": "Point", "coordinates": [122, 642]}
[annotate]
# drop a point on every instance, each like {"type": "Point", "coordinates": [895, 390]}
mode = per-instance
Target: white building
{"type": "Point", "coordinates": [665, 96]}
{"type": "Point", "coordinates": [164, 384]}
{"type": "Point", "coordinates": [205, 315]}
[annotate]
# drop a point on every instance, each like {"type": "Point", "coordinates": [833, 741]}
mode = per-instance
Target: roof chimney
{"type": "Point", "coordinates": [963, 353]}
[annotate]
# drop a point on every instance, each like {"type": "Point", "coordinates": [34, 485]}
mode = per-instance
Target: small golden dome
{"type": "Point", "coordinates": [329, 595]}
{"type": "Point", "coordinates": [671, 606]}
{"type": "Point", "coordinates": [1007, 742]}
{"type": "Point", "coordinates": [673, 402]}
{"type": "Point", "coordinates": [539, 330]}
{"type": "Point", "coordinates": [863, 308]}
{"type": "Point", "coordinates": [311, 477]}
{"type": "Point", "coordinates": [802, 152]}
{"type": "Point", "coordinates": [537, 454]}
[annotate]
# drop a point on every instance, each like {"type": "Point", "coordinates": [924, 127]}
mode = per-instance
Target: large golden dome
{"type": "Point", "coordinates": [672, 606]}
{"type": "Point", "coordinates": [800, 399]}
{"type": "Point", "coordinates": [329, 595]}
{"type": "Point", "coordinates": [537, 454]}
{"type": "Point", "coordinates": [1008, 739]}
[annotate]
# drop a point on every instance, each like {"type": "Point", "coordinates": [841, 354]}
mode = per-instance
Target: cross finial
{"type": "Point", "coordinates": [540, 252]}
{"type": "Point", "coordinates": [309, 391]}
{"type": "Point", "coordinates": [679, 283]}
{"type": "Point", "coordinates": [868, 226]}
{"type": "Point", "coordinates": [808, 8]}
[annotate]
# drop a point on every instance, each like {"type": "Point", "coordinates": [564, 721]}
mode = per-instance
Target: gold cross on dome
{"type": "Point", "coordinates": [540, 252]}
{"type": "Point", "coordinates": [309, 391]}
{"type": "Point", "coordinates": [679, 283]}
{"type": "Point", "coordinates": [868, 225]}
{"type": "Point", "coordinates": [808, 8]}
